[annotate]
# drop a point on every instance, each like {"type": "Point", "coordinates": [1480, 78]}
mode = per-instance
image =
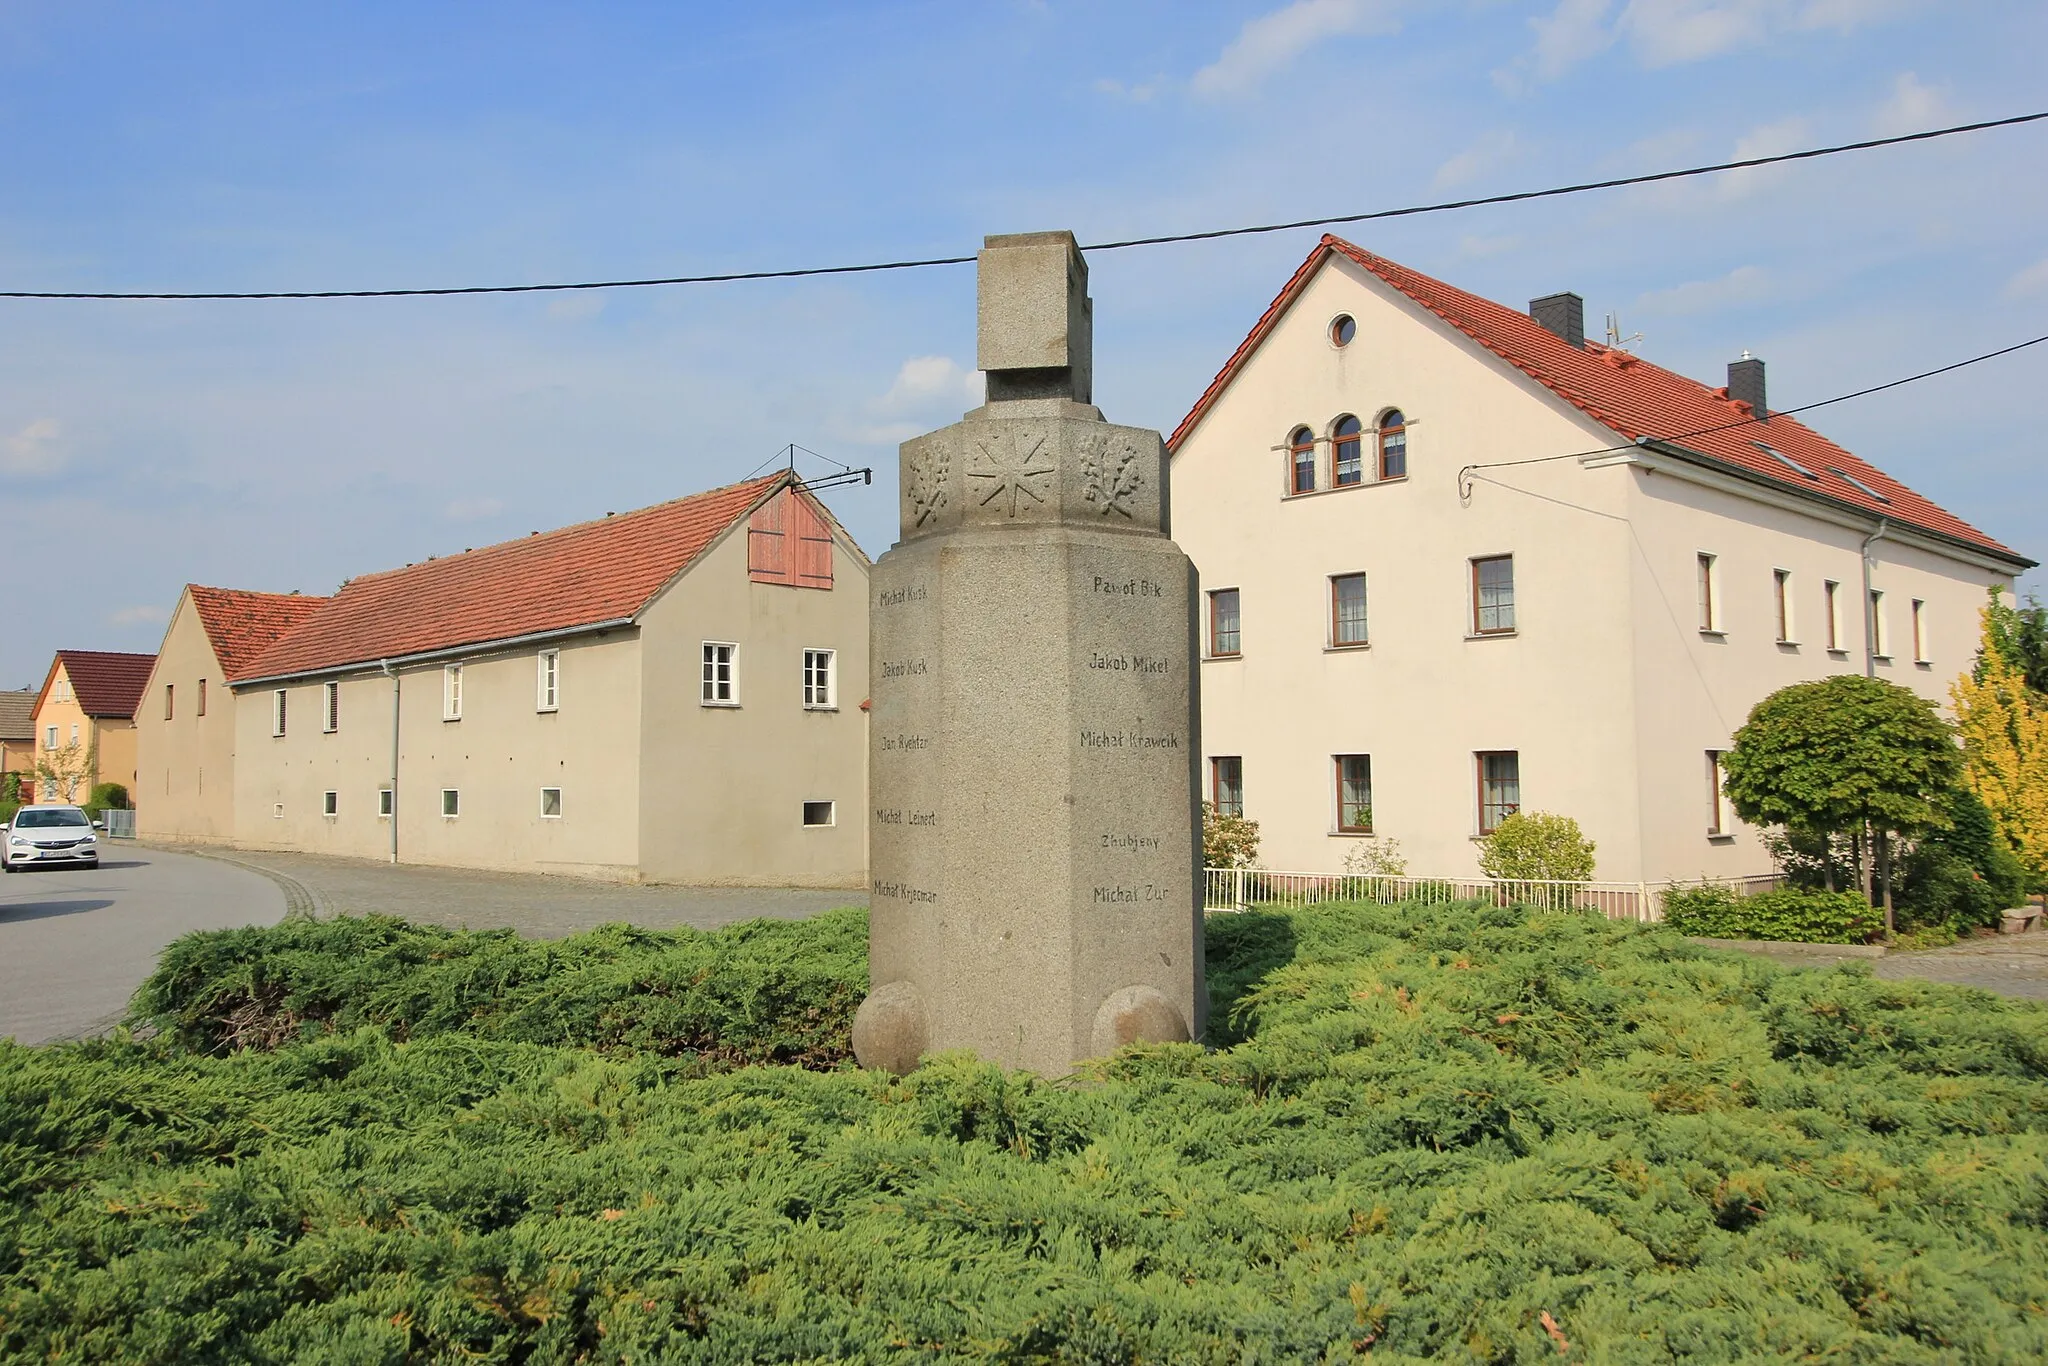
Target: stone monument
{"type": "Point", "coordinates": [1034, 825]}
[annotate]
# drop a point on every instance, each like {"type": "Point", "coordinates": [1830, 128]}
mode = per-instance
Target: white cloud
{"type": "Point", "coordinates": [928, 392]}
{"type": "Point", "coordinates": [1912, 107]}
{"type": "Point", "coordinates": [1489, 153]}
{"type": "Point", "coordinates": [1744, 284]}
{"type": "Point", "coordinates": [1141, 92]}
{"type": "Point", "coordinates": [2032, 280]}
{"type": "Point", "coordinates": [1268, 43]}
{"type": "Point", "coordinates": [1671, 32]}
{"type": "Point", "coordinates": [143, 615]}
{"type": "Point", "coordinates": [474, 509]}
{"type": "Point", "coordinates": [33, 450]}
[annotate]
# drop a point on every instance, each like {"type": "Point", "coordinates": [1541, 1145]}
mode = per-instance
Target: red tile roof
{"type": "Point", "coordinates": [106, 684]}
{"type": "Point", "coordinates": [583, 575]}
{"type": "Point", "coordinates": [1636, 399]}
{"type": "Point", "coordinates": [241, 625]}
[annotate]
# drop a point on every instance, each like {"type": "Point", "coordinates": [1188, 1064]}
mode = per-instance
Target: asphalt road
{"type": "Point", "coordinates": [74, 944]}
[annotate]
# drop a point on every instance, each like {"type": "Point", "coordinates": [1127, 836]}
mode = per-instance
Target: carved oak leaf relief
{"type": "Point", "coordinates": [927, 473]}
{"type": "Point", "coordinates": [1009, 466]}
{"type": "Point", "coordinates": [1110, 477]}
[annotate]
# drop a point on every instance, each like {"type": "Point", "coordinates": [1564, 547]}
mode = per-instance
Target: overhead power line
{"type": "Point", "coordinates": [1676, 437]}
{"type": "Point", "coordinates": [1413, 210]}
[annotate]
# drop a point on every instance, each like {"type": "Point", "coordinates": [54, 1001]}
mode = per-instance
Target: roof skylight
{"type": "Point", "coordinates": [1854, 482]}
{"type": "Point", "coordinates": [1784, 459]}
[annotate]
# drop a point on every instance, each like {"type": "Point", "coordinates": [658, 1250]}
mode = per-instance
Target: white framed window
{"type": "Point", "coordinates": [1781, 588]}
{"type": "Point", "coordinates": [330, 707]}
{"type": "Point", "coordinates": [547, 683]}
{"type": "Point", "coordinates": [451, 692]}
{"type": "Point", "coordinates": [384, 802]}
{"type": "Point", "coordinates": [1717, 801]}
{"type": "Point", "coordinates": [277, 811]}
{"type": "Point", "coordinates": [330, 804]}
{"type": "Point", "coordinates": [277, 710]}
{"type": "Point", "coordinates": [551, 803]}
{"type": "Point", "coordinates": [1920, 654]}
{"type": "Point", "coordinates": [821, 680]}
{"type": "Point", "coordinates": [1880, 639]}
{"type": "Point", "coordinates": [1710, 594]}
{"type": "Point", "coordinates": [820, 813]}
{"type": "Point", "coordinates": [721, 680]}
{"type": "Point", "coordinates": [50, 738]}
{"type": "Point", "coordinates": [451, 803]}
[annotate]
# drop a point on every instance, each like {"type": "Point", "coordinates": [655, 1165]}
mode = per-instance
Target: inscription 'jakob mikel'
{"type": "Point", "coordinates": [1137, 664]}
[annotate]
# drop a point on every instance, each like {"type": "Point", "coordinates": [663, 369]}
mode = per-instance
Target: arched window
{"type": "Point", "coordinates": [1393, 445]}
{"type": "Point", "coordinates": [1344, 437]}
{"type": "Point", "coordinates": [1301, 452]}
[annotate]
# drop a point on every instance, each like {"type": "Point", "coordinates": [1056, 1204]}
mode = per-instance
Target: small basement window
{"type": "Point", "coordinates": [451, 802]}
{"type": "Point", "coordinates": [551, 803]}
{"type": "Point", "coordinates": [330, 803]}
{"type": "Point", "coordinates": [818, 813]}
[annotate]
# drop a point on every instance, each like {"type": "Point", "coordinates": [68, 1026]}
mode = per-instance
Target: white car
{"type": "Point", "coordinates": [50, 837]}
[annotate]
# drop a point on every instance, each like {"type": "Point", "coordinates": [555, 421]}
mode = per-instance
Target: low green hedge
{"type": "Point", "coordinates": [1810, 917]}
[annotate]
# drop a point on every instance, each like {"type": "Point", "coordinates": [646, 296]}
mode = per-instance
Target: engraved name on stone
{"type": "Point", "coordinates": [1129, 894]}
{"type": "Point", "coordinates": [899, 597]}
{"type": "Point", "coordinates": [1134, 843]}
{"type": "Point", "coordinates": [905, 744]}
{"type": "Point", "coordinates": [903, 891]}
{"type": "Point", "coordinates": [1130, 741]}
{"type": "Point", "coordinates": [902, 668]}
{"type": "Point", "coordinates": [1128, 588]}
{"type": "Point", "coordinates": [1136, 664]}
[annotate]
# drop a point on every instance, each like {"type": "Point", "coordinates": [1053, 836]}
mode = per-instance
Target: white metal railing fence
{"type": "Point", "coordinates": [120, 824]}
{"type": "Point", "coordinates": [1238, 889]}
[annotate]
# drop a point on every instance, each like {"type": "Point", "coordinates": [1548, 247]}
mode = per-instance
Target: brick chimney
{"type": "Point", "coordinates": [1564, 314]}
{"type": "Point", "coordinates": [1746, 384]}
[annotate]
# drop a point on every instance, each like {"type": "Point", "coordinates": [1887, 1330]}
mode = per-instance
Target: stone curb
{"type": "Point", "coordinates": [1791, 948]}
{"type": "Point", "coordinates": [299, 899]}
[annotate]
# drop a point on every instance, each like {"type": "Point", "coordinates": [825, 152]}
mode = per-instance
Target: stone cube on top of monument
{"type": "Point", "coordinates": [1034, 825]}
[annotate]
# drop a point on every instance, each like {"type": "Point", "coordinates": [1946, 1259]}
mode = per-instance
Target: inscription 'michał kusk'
{"type": "Point", "coordinates": [898, 597]}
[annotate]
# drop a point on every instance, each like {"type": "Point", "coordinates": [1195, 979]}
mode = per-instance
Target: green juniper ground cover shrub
{"type": "Point", "coordinates": [1801, 914]}
{"type": "Point", "coordinates": [1432, 1128]}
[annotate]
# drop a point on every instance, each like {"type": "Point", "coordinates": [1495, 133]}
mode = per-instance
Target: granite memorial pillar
{"type": "Point", "coordinates": [1034, 823]}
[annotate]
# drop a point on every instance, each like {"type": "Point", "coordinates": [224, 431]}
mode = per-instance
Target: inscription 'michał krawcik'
{"type": "Point", "coordinates": [1130, 741]}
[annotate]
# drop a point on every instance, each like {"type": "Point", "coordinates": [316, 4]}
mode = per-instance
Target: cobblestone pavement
{"type": "Point", "coordinates": [2009, 964]}
{"type": "Point", "coordinates": [530, 903]}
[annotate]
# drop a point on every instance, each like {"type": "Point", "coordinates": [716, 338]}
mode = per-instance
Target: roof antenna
{"type": "Point", "coordinates": [1615, 341]}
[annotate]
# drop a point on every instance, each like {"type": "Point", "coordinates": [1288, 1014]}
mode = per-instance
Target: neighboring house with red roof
{"type": "Point", "coordinates": [653, 696]}
{"type": "Point", "coordinates": [1460, 560]}
{"type": "Point", "coordinates": [85, 722]}
{"type": "Point", "coordinates": [185, 726]}
{"type": "Point", "coordinates": [18, 734]}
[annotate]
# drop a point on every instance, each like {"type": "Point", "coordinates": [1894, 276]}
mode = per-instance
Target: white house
{"type": "Point", "coordinates": [1460, 560]}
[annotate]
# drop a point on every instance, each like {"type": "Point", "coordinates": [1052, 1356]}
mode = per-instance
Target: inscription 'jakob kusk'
{"type": "Point", "coordinates": [902, 668]}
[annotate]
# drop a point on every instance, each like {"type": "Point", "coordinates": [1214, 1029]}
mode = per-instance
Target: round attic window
{"type": "Point", "coordinates": [1342, 330]}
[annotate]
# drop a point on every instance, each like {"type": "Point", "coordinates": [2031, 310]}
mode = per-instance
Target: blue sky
{"type": "Point", "coordinates": [283, 445]}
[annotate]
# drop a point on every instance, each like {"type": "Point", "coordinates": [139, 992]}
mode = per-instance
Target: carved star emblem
{"type": "Point", "coordinates": [1004, 469]}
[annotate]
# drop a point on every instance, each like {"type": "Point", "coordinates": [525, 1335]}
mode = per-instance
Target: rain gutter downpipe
{"type": "Point", "coordinates": [1870, 608]}
{"type": "Point", "coordinates": [392, 674]}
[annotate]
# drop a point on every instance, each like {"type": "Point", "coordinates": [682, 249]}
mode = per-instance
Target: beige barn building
{"type": "Point", "coordinates": [185, 723]}
{"type": "Point", "coordinates": [668, 695]}
{"type": "Point", "coordinates": [1460, 560]}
